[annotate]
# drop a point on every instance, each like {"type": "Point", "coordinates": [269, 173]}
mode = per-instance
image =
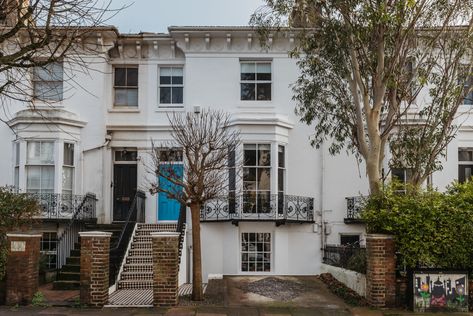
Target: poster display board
{"type": "Point", "coordinates": [437, 290]}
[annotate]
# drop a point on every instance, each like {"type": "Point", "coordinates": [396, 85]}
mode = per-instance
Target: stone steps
{"type": "Point", "coordinates": [138, 267]}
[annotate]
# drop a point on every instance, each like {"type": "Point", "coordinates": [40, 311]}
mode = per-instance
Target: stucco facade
{"type": "Point", "coordinates": [208, 61]}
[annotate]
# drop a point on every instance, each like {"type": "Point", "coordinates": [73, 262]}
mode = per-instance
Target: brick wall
{"type": "Point", "coordinates": [165, 268]}
{"type": "Point", "coordinates": [94, 268]}
{"type": "Point", "coordinates": [22, 268]}
{"type": "Point", "coordinates": [381, 271]}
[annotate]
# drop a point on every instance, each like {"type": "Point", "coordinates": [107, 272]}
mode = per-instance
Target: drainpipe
{"type": "Point", "coordinates": [322, 204]}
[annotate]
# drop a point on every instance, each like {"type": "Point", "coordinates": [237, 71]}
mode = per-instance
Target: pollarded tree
{"type": "Point", "coordinates": [207, 143]}
{"type": "Point", "coordinates": [38, 33]}
{"type": "Point", "coordinates": [380, 72]}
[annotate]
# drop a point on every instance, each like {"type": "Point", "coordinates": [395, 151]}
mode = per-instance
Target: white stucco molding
{"type": "Point", "coordinates": [54, 116]}
{"type": "Point", "coordinates": [262, 119]}
{"type": "Point", "coordinates": [24, 235]}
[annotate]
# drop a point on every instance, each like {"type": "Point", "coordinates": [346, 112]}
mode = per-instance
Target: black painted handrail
{"type": "Point", "coordinates": [70, 235]}
{"type": "Point", "coordinates": [135, 215]}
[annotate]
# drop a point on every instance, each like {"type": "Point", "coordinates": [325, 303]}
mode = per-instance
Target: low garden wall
{"type": "Point", "coordinates": [354, 280]}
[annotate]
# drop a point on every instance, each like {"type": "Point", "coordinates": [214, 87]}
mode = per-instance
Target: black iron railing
{"type": "Point", "coordinates": [269, 207]}
{"type": "Point", "coordinates": [350, 257]}
{"type": "Point", "coordinates": [354, 208]}
{"type": "Point", "coordinates": [136, 214]}
{"type": "Point", "coordinates": [62, 206]}
{"type": "Point", "coordinates": [181, 227]}
{"type": "Point", "coordinates": [70, 235]}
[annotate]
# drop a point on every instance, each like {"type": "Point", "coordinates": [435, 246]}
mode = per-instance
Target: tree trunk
{"type": "Point", "coordinates": [197, 293]}
{"type": "Point", "coordinates": [373, 171]}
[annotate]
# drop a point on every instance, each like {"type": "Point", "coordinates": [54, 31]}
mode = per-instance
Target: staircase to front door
{"type": "Point", "coordinates": [135, 281]}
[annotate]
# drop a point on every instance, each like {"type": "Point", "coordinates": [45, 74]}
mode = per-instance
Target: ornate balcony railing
{"type": "Point", "coordinates": [262, 207]}
{"type": "Point", "coordinates": [354, 208]}
{"type": "Point", "coordinates": [64, 206]}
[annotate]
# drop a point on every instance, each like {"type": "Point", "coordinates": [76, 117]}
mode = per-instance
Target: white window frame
{"type": "Point", "coordinates": [49, 252]}
{"type": "Point", "coordinates": [70, 167]}
{"type": "Point", "coordinates": [271, 174]}
{"type": "Point", "coordinates": [52, 80]}
{"type": "Point", "coordinates": [29, 164]}
{"type": "Point", "coordinates": [465, 162]}
{"type": "Point", "coordinates": [115, 87]}
{"type": "Point", "coordinates": [16, 166]}
{"type": "Point", "coordinates": [170, 85]}
{"type": "Point", "coordinates": [271, 252]}
{"type": "Point", "coordinates": [256, 81]}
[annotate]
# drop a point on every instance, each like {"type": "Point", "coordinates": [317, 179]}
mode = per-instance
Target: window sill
{"type": "Point", "coordinates": [124, 109]}
{"type": "Point", "coordinates": [176, 108]}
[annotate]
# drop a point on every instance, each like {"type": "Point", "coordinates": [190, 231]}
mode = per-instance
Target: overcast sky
{"type": "Point", "coordinates": [157, 15]}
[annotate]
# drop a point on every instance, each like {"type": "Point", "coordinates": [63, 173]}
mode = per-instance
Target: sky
{"type": "Point", "coordinates": [157, 15]}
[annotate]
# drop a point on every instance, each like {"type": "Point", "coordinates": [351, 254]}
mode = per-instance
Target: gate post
{"type": "Point", "coordinates": [381, 270]}
{"type": "Point", "coordinates": [94, 268]}
{"type": "Point", "coordinates": [22, 267]}
{"type": "Point", "coordinates": [165, 268]}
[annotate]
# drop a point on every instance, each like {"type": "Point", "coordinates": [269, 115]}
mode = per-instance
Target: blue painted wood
{"type": "Point", "coordinates": [168, 209]}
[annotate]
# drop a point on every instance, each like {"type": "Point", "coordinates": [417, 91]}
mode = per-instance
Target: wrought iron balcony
{"type": "Point", "coordinates": [65, 206]}
{"type": "Point", "coordinates": [262, 207]}
{"type": "Point", "coordinates": [354, 208]}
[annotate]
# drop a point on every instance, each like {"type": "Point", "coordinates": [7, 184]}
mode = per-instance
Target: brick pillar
{"type": "Point", "coordinates": [165, 268]}
{"type": "Point", "coordinates": [381, 271]}
{"type": "Point", "coordinates": [94, 267]}
{"type": "Point", "coordinates": [22, 267]}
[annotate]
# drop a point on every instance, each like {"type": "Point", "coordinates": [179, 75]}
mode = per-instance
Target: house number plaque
{"type": "Point", "coordinates": [18, 246]}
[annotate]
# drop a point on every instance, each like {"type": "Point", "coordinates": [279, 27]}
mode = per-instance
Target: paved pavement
{"type": "Point", "coordinates": [180, 311]}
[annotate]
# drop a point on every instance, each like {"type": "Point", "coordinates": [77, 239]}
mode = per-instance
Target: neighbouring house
{"type": "Point", "coordinates": [84, 152]}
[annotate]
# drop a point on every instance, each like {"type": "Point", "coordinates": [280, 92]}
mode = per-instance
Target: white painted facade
{"type": "Point", "coordinates": [210, 58]}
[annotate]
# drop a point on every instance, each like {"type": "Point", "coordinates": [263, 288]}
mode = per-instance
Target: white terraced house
{"type": "Point", "coordinates": [83, 154]}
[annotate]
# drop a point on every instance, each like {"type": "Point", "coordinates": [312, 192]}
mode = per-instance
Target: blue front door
{"type": "Point", "coordinates": [168, 209]}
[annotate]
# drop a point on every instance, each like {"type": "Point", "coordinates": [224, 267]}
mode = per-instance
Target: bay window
{"type": "Point", "coordinates": [281, 177]}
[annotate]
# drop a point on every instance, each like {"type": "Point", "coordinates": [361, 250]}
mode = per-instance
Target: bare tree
{"type": "Point", "coordinates": [207, 143]}
{"type": "Point", "coordinates": [38, 33]}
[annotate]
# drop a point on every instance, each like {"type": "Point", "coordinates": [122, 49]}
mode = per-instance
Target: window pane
{"type": "Point", "coordinates": [247, 71]}
{"type": "Point", "coordinates": [126, 155]}
{"type": "Point", "coordinates": [48, 90]}
{"type": "Point", "coordinates": [249, 155]}
{"type": "Point", "coordinates": [132, 77]}
{"type": "Point", "coordinates": [33, 178]}
{"type": "Point", "coordinates": [165, 95]}
{"type": "Point", "coordinates": [398, 174]}
{"type": "Point", "coordinates": [264, 91]}
{"type": "Point", "coordinates": [249, 179]}
{"type": "Point", "coordinates": [17, 154]}
{"type": "Point", "coordinates": [177, 95]}
{"type": "Point", "coordinates": [120, 97]}
{"type": "Point", "coordinates": [40, 153]}
{"type": "Point", "coordinates": [132, 97]}
{"type": "Point", "coordinates": [249, 202]}
{"type": "Point", "coordinates": [280, 180]}
{"type": "Point", "coordinates": [465, 155]}
{"type": "Point", "coordinates": [264, 155]}
{"type": "Point", "coordinates": [177, 72]}
{"type": "Point", "coordinates": [263, 71]}
{"type": "Point", "coordinates": [47, 152]}
{"type": "Point", "coordinates": [120, 77]}
{"type": "Point", "coordinates": [165, 74]}
{"type": "Point", "coordinates": [264, 179]}
{"type": "Point", "coordinates": [68, 154]}
{"type": "Point", "coordinates": [47, 179]}
{"type": "Point", "coordinates": [247, 91]}
{"type": "Point", "coordinates": [126, 97]}
{"type": "Point", "coordinates": [67, 179]}
{"type": "Point", "coordinates": [264, 202]}
{"type": "Point", "coordinates": [281, 157]}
